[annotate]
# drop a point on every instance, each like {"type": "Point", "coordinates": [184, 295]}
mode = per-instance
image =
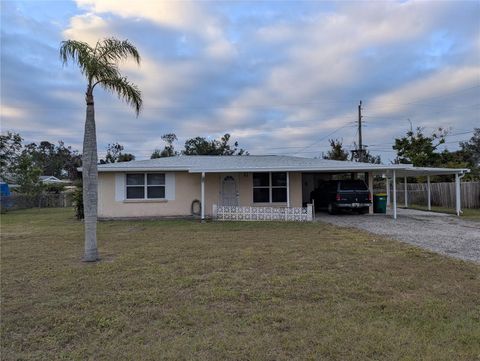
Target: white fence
{"type": "Point", "coordinates": [234, 213]}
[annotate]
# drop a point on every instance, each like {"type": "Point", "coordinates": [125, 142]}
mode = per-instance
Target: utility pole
{"type": "Point", "coordinates": [359, 152]}
{"type": "Point", "coordinates": [360, 144]}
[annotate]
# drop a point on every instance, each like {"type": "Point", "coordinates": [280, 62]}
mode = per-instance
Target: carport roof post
{"type": "Point", "coordinates": [458, 198]}
{"type": "Point", "coordinates": [429, 194]}
{"type": "Point", "coordinates": [202, 196]}
{"type": "Point", "coordinates": [394, 182]}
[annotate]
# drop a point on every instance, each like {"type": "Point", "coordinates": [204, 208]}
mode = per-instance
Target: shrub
{"type": "Point", "coordinates": [54, 188]}
{"type": "Point", "coordinates": [77, 199]}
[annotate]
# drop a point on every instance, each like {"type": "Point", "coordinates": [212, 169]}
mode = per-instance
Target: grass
{"type": "Point", "coordinates": [180, 290]}
{"type": "Point", "coordinates": [472, 214]}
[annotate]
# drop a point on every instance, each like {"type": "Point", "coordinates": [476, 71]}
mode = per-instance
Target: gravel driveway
{"type": "Point", "coordinates": [438, 232]}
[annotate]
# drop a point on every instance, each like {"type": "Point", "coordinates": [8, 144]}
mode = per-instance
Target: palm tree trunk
{"type": "Point", "coordinates": [90, 181]}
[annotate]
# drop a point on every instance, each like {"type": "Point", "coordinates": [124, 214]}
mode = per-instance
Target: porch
{"type": "Point", "coordinates": [253, 196]}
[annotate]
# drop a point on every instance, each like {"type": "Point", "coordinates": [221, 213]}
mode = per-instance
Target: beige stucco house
{"type": "Point", "coordinates": [176, 186]}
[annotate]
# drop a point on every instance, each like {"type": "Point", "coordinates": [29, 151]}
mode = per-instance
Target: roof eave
{"type": "Point", "coordinates": [141, 169]}
{"type": "Point", "coordinates": [293, 169]}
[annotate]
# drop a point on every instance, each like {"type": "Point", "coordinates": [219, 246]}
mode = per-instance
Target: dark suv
{"type": "Point", "coordinates": [342, 194]}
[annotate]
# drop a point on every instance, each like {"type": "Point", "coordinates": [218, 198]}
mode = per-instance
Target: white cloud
{"type": "Point", "coordinates": [87, 27]}
{"type": "Point", "coordinates": [324, 59]}
{"type": "Point", "coordinates": [442, 85]}
{"type": "Point", "coordinates": [182, 16]}
{"type": "Point", "coordinates": [11, 112]}
{"type": "Point", "coordinates": [268, 76]}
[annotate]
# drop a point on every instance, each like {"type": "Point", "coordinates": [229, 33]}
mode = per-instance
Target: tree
{"type": "Point", "coordinates": [168, 150]}
{"type": "Point", "coordinates": [125, 157]}
{"type": "Point", "coordinates": [27, 175]}
{"type": "Point", "coordinates": [367, 156]}
{"type": "Point", "coordinates": [202, 146]}
{"type": "Point", "coordinates": [10, 150]}
{"type": "Point", "coordinates": [471, 149]}
{"type": "Point", "coordinates": [70, 159]}
{"type": "Point", "coordinates": [468, 156]}
{"type": "Point", "coordinates": [115, 154]}
{"type": "Point", "coordinates": [99, 65]}
{"type": "Point", "coordinates": [56, 160]}
{"type": "Point", "coordinates": [337, 152]}
{"type": "Point", "coordinates": [373, 159]}
{"type": "Point", "coordinates": [420, 150]}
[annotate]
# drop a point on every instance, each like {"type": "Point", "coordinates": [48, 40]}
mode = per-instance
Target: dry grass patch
{"type": "Point", "coordinates": [180, 290]}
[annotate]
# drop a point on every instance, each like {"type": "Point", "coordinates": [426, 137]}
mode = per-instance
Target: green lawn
{"type": "Point", "coordinates": [180, 290]}
{"type": "Point", "coordinates": [472, 214]}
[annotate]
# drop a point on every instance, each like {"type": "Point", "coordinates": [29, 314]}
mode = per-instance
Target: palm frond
{"type": "Point", "coordinates": [100, 66]}
{"type": "Point", "coordinates": [125, 90]}
{"type": "Point", "coordinates": [93, 67]}
{"type": "Point", "coordinates": [79, 52]}
{"type": "Point", "coordinates": [104, 70]}
{"type": "Point", "coordinates": [113, 49]}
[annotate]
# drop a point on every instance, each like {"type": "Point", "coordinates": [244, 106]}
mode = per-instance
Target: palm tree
{"type": "Point", "coordinates": [99, 65]}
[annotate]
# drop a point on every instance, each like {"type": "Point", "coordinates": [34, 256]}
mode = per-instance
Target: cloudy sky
{"type": "Point", "coordinates": [281, 77]}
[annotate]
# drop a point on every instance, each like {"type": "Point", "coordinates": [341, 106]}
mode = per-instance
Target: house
{"type": "Point", "coordinates": [50, 179]}
{"type": "Point", "coordinates": [172, 186]}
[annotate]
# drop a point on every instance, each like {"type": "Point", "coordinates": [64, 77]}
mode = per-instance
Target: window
{"type": "Point", "coordinates": [135, 186]}
{"type": "Point", "coordinates": [261, 187]}
{"type": "Point", "coordinates": [353, 185]}
{"type": "Point", "coordinates": [270, 187]}
{"type": "Point", "coordinates": [279, 187]}
{"type": "Point", "coordinates": [145, 186]}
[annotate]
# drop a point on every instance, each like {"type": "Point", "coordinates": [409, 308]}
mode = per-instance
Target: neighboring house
{"type": "Point", "coordinates": [50, 179]}
{"type": "Point", "coordinates": [168, 186]}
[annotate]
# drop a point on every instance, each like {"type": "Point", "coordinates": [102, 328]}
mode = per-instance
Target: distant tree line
{"type": "Point", "coordinates": [22, 164]}
{"type": "Point", "coordinates": [199, 146]}
{"type": "Point", "coordinates": [422, 150]}
{"type": "Point", "coordinates": [337, 152]}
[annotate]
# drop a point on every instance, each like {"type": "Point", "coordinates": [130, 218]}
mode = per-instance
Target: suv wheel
{"type": "Point", "coordinates": [363, 210]}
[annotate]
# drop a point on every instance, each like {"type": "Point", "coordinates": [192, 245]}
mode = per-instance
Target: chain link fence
{"type": "Point", "coordinates": [24, 201]}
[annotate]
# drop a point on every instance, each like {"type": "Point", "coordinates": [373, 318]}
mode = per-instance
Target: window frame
{"type": "Point", "coordinates": [146, 186]}
{"type": "Point", "coordinates": [270, 187]}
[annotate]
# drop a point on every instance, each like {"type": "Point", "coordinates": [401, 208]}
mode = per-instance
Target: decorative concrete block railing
{"type": "Point", "coordinates": [234, 213]}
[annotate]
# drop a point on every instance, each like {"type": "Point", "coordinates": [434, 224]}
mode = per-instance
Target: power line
{"type": "Point", "coordinates": [323, 138]}
{"type": "Point", "coordinates": [435, 97]}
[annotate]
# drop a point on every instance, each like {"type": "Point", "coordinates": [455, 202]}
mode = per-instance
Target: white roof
{"type": "Point", "coordinates": [51, 179]}
{"type": "Point", "coordinates": [48, 177]}
{"type": "Point", "coordinates": [256, 163]}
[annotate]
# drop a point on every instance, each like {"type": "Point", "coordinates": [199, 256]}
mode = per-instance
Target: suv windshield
{"type": "Point", "coordinates": [353, 185]}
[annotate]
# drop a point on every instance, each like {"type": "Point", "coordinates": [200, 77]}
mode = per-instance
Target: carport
{"type": "Point", "coordinates": [391, 173]}
{"type": "Point", "coordinates": [405, 171]}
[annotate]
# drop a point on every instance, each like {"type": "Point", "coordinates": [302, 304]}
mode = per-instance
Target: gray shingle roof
{"type": "Point", "coordinates": [205, 163]}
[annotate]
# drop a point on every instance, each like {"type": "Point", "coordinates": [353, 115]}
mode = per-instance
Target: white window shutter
{"type": "Point", "coordinates": [170, 186]}
{"type": "Point", "coordinates": [119, 187]}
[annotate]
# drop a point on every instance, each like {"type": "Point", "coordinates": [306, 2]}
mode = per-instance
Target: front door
{"type": "Point", "coordinates": [229, 192]}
